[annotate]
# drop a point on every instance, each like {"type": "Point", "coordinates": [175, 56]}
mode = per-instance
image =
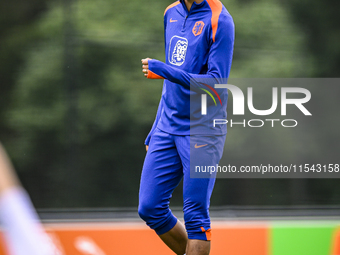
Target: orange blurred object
{"type": "Point", "coordinates": [137, 238]}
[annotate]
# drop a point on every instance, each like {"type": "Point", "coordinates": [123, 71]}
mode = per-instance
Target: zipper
{"type": "Point", "coordinates": [185, 21]}
{"type": "Point", "coordinates": [186, 16]}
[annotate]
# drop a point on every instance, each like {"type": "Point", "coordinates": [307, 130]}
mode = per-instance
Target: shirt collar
{"type": "Point", "coordinates": [194, 8]}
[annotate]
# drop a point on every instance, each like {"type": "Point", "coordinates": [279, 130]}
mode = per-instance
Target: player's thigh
{"type": "Point", "coordinates": [202, 151]}
{"type": "Point", "coordinates": [162, 170]}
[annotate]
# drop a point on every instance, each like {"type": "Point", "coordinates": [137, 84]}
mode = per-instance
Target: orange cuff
{"type": "Point", "coordinates": [152, 75]}
{"type": "Point", "coordinates": [207, 233]}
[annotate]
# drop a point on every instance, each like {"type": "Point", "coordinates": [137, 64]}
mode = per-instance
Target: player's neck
{"type": "Point", "coordinates": [189, 3]}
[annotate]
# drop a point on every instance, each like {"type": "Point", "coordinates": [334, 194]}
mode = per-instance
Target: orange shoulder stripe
{"type": "Point", "coordinates": [171, 5]}
{"type": "Point", "coordinates": [152, 75]}
{"type": "Point", "coordinates": [216, 9]}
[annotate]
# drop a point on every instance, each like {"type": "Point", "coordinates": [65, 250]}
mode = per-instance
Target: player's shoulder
{"type": "Point", "coordinates": [226, 27]}
{"type": "Point", "coordinates": [225, 20]}
{"type": "Point", "coordinates": [218, 11]}
{"type": "Point", "coordinates": [221, 20]}
{"type": "Point", "coordinates": [226, 16]}
{"type": "Point", "coordinates": [171, 6]}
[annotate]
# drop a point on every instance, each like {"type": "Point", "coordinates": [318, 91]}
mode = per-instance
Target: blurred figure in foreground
{"type": "Point", "coordinates": [24, 235]}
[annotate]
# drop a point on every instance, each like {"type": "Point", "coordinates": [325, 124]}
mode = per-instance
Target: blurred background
{"type": "Point", "coordinates": [75, 107]}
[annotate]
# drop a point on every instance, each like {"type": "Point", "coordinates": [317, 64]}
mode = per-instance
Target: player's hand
{"type": "Point", "coordinates": [145, 66]}
{"type": "Point", "coordinates": [146, 148]}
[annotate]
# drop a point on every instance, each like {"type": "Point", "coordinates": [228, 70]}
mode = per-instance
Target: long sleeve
{"type": "Point", "coordinates": [23, 232]}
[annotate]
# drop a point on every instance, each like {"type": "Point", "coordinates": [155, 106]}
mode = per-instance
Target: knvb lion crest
{"type": "Point", "coordinates": [178, 50]}
{"type": "Point", "coordinates": [198, 28]}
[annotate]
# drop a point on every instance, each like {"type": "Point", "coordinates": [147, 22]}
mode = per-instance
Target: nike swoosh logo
{"type": "Point", "coordinates": [200, 146]}
{"type": "Point", "coordinates": [172, 20]}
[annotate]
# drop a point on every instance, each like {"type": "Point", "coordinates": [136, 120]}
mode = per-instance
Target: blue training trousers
{"type": "Point", "coordinates": [166, 163]}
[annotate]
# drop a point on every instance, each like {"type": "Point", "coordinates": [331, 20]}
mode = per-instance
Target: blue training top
{"type": "Point", "coordinates": [198, 47]}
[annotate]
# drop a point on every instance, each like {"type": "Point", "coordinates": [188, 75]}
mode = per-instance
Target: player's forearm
{"type": "Point", "coordinates": [161, 70]}
{"type": "Point", "coordinates": [22, 230]}
{"type": "Point", "coordinates": [8, 178]}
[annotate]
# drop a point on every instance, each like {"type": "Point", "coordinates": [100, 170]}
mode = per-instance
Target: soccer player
{"type": "Point", "coordinates": [23, 233]}
{"type": "Point", "coordinates": [199, 42]}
